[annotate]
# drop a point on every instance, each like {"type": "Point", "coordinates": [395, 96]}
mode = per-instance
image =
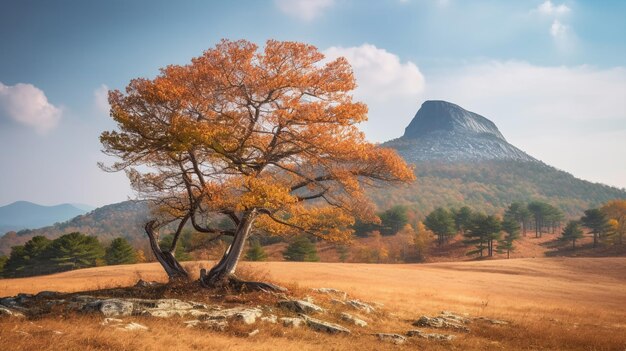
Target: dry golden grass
{"type": "Point", "coordinates": [554, 303]}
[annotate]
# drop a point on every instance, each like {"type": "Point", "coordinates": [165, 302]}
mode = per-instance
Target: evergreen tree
{"type": "Point", "coordinates": [440, 222]}
{"type": "Point", "coordinates": [74, 251]}
{"type": "Point", "coordinates": [343, 252]}
{"type": "Point", "coordinates": [3, 261]}
{"type": "Point", "coordinates": [463, 219]}
{"type": "Point", "coordinates": [256, 252]}
{"type": "Point", "coordinates": [120, 252]}
{"type": "Point", "coordinates": [572, 232]}
{"type": "Point", "coordinates": [29, 259]}
{"type": "Point", "coordinates": [597, 222]}
{"type": "Point", "coordinates": [539, 210]}
{"type": "Point", "coordinates": [482, 233]}
{"type": "Point", "coordinates": [518, 211]}
{"type": "Point", "coordinates": [511, 228]}
{"type": "Point", "coordinates": [393, 220]}
{"type": "Point", "coordinates": [301, 249]}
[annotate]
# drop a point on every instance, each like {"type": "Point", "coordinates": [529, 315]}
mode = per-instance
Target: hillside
{"type": "Point", "coordinates": [125, 219]}
{"type": "Point", "coordinates": [23, 214]}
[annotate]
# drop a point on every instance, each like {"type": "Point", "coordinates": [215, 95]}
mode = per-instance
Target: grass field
{"type": "Point", "coordinates": [553, 303]}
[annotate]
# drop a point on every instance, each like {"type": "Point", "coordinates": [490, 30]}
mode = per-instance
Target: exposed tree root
{"type": "Point", "coordinates": [231, 282]}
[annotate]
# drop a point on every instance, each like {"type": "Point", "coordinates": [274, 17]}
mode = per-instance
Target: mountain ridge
{"type": "Point", "coordinates": [25, 214]}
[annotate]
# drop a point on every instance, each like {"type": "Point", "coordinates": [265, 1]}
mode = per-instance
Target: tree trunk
{"type": "Point", "coordinates": [167, 260]}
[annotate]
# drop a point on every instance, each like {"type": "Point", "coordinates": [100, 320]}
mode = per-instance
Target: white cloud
{"type": "Point", "coordinates": [548, 8]}
{"type": "Point", "coordinates": [387, 85]}
{"type": "Point", "coordinates": [28, 105]}
{"type": "Point", "coordinates": [306, 10]}
{"type": "Point", "coordinates": [101, 98]}
{"type": "Point", "coordinates": [558, 30]}
{"type": "Point", "coordinates": [571, 117]}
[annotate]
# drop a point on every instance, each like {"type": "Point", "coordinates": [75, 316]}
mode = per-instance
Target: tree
{"type": "Point", "coordinates": [301, 249]}
{"type": "Point", "coordinates": [616, 210]}
{"type": "Point", "coordinates": [256, 252]}
{"type": "Point", "coordinates": [74, 251]}
{"type": "Point", "coordinates": [393, 220]}
{"type": "Point", "coordinates": [463, 219]}
{"type": "Point", "coordinates": [422, 240]}
{"type": "Point", "coordinates": [120, 252]}
{"type": "Point", "coordinates": [29, 259]}
{"type": "Point", "coordinates": [440, 222]}
{"type": "Point", "coordinates": [540, 212]}
{"type": "Point", "coordinates": [3, 261]}
{"type": "Point", "coordinates": [482, 233]}
{"type": "Point", "coordinates": [180, 251]}
{"type": "Point", "coordinates": [597, 222]}
{"type": "Point", "coordinates": [572, 232]}
{"type": "Point", "coordinates": [511, 228]}
{"type": "Point", "coordinates": [519, 212]}
{"type": "Point", "coordinates": [266, 139]}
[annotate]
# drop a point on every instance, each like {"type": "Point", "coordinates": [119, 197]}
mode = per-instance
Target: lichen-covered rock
{"type": "Point", "coordinates": [270, 319]}
{"type": "Point", "coordinates": [353, 319]}
{"type": "Point", "coordinates": [300, 306]}
{"type": "Point", "coordinates": [393, 338]}
{"type": "Point", "coordinates": [323, 326]}
{"type": "Point", "coordinates": [219, 325]}
{"type": "Point", "coordinates": [332, 291]}
{"type": "Point", "coordinates": [7, 312]}
{"type": "Point", "coordinates": [439, 322]}
{"type": "Point", "coordinates": [115, 307]}
{"type": "Point", "coordinates": [48, 294]}
{"type": "Point", "coordinates": [360, 305]}
{"type": "Point", "coordinates": [431, 336]}
{"type": "Point", "coordinates": [292, 322]}
{"type": "Point", "coordinates": [132, 326]}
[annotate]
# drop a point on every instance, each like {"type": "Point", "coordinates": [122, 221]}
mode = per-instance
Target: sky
{"type": "Point", "coordinates": [550, 74]}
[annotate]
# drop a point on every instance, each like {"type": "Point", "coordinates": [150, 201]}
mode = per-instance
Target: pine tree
{"type": "Point", "coordinates": [482, 233]}
{"type": "Point", "coordinates": [256, 252]}
{"type": "Point", "coordinates": [393, 220]}
{"type": "Point", "coordinates": [511, 228]}
{"type": "Point", "coordinates": [29, 259]}
{"type": "Point", "coordinates": [3, 261]}
{"type": "Point", "coordinates": [572, 232]}
{"type": "Point", "coordinates": [74, 251]}
{"type": "Point", "coordinates": [301, 249]}
{"type": "Point", "coordinates": [120, 252]}
{"type": "Point", "coordinates": [597, 222]}
{"type": "Point", "coordinates": [440, 222]}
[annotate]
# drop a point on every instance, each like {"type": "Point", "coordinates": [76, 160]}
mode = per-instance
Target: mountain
{"type": "Point", "coordinates": [443, 131]}
{"type": "Point", "coordinates": [24, 214]}
{"type": "Point", "coordinates": [461, 158]}
{"type": "Point", "coordinates": [125, 219]}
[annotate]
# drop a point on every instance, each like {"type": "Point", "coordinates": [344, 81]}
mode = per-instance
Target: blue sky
{"type": "Point", "coordinates": [550, 74]}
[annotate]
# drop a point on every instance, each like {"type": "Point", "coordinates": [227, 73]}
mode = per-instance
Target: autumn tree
{"type": "Point", "coordinates": [572, 232]}
{"type": "Point", "coordinates": [265, 139]}
{"type": "Point", "coordinates": [616, 211]}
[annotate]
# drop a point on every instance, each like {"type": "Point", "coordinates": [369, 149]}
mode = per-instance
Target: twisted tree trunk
{"type": "Point", "coordinates": [167, 260]}
{"type": "Point", "coordinates": [223, 273]}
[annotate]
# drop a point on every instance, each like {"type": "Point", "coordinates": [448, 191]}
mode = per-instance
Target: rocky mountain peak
{"type": "Point", "coordinates": [438, 116]}
{"type": "Point", "coordinates": [443, 131]}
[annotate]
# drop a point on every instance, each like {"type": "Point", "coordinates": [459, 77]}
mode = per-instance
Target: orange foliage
{"type": "Point", "coordinates": [269, 133]}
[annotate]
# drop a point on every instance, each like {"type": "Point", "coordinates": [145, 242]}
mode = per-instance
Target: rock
{"type": "Point", "coordinates": [332, 291]}
{"type": "Point", "coordinates": [161, 304]}
{"type": "Point", "coordinates": [452, 317]}
{"type": "Point", "coordinates": [158, 313]}
{"type": "Point", "coordinates": [115, 307]}
{"type": "Point", "coordinates": [439, 322]}
{"type": "Point", "coordinates": [7, 312]}
{"type": "Point", "coordinates": [253, 333]}
{"type": "Point", "coordinates": [300, 306]}
{"type": "Point", "coordinates": [270, 319]}
{"type": "Point", "coordinates": [211, 324]}
{"type": "Point", "coordinates": [132, 326]}
{"type": "Point", "coordinates": [57, 332]}
{"type": "Point", "coordinates": [393, 338]}
{"type": "Point", "coordinates": [48, 294]}
{"type": "Point", "coordinates": [144, 284]}
{"type": "Point", "coordinates": [320, 325]}
{"type": "Point", "coordinates": [292, 322]}
{"type": "Point", "coordinates": [337, 302]}
{"type": "Point", "coordinates": [354, 320]}
{"type": "Point", "coordinates": [359, 305]}
{"type": "Point", "coordinates": [248, 316]}
{"type": "Point", "coordinates": [431, 336]}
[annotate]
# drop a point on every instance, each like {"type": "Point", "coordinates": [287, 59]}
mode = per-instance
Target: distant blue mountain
{"type": "Point", "coordinates": [26, 215]}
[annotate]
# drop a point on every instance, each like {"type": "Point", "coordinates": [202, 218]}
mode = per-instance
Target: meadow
{"type": "Point", "coordinates": [552, 304]}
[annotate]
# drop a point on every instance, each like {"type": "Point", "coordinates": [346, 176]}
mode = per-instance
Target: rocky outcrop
{"type": "Point", "coordinates": [443, 131]}
{"type": "Point", "coordinates": [431, 336]}
{"type": "Point", "coordinates": [300, 306]}
{"type": "Point", "coordinates": [323, 326]}
{"type": "Point", "coordinates": [393, 338]}
{"type": "Point", "coordinates": [353, 320]}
